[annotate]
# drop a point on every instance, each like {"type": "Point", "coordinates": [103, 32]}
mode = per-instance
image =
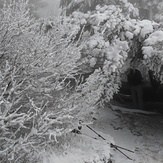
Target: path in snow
{"type": "Point", "coordinates": [138, 132]}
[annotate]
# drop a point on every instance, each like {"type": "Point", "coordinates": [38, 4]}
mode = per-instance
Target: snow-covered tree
{"type": "Point", "coordinates": [90, 5]}
{"type": "Point", "coordinates": [149, 9]}
{"type": "Point", "coordinates": [36, 108]}
{"type": "Point", "coordinates": [39, 58]}
{"type": "Point", "coordinates": [34, 5]}
{"type": "Point", "coordinates": [110, 36]}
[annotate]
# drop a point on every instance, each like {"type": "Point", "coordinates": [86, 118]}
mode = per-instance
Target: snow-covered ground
{"type": "Point", "coordinates": [139, 131]}
{"type": "Point", "coordinates": [136, 130]}
{"type": "Point", "coordinates": [82, 148]}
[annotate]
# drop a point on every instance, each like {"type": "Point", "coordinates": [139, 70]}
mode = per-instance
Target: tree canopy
{"type": "Point", "coordinates": [110, 36]}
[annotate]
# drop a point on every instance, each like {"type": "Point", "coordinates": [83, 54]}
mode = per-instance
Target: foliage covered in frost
{"type": "Point", "coordinates": [85, 149]}
{"type": "Point", "coordinates": [90, 5]}
{"type": "Point", "coordinates": [39, 56]}
{"type": "Point", "coordinates": [153, 51]}
{"type": "Point", "coordinates": [103, 49]}
{"type": "Point", "coordinates": [108, 38]}
{"type": "Point", "coordinates": [36, 109]}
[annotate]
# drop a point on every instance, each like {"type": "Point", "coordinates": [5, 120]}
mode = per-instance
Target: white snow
{"type": "Point", "coordinates": [83, 148]}
{"type": "Point", "coordinates": [129, 35]}
{"type": "Point", "coordinates": [93, 43]}
{"type": "Point", "coordinates": [137, 30]}
{"type": "Point", "coordinates": [144, 23]}
{"type": "Point", "coordinates": [93, 62]}
{"type": "Point", "coordinates": [148, 50]}
{"type": "Point", "coordinates": [127, 25]}
{"type": "Point", "coordinates": [155, 37]}
{"type": "Point", "coordinates": [136, 130]}
{"type": "Point", "coordinates": [132, 111]}
{"type": "Point", "coordinates": [147, 29]}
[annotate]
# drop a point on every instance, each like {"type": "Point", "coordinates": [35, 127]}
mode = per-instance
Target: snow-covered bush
{"type": "Point", "coordinates": [36, 109]}
{"type": "Point", "coordinates": [38, 57]}
{"type": "Point", "coordinates": [33, 117]}
{"type": "Point", "coordinates": [109, 37]}
{"type": "Point", "coordinates": [106, 34]}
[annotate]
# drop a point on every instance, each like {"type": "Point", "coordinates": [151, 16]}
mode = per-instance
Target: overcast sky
{"type": "Point", "coordinates": [51, 9]}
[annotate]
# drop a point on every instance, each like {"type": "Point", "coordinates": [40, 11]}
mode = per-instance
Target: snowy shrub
{"type": "Point", "coordinates": [32, 117]}
{"type": "Point", "coordinates": [110, 37]}
{"type": "Point", "coordinates": [40, 59]}
{"type": "Point", "coordinates": [36, 108]}
{"type": "Point", "coordinates": [104, 50]}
